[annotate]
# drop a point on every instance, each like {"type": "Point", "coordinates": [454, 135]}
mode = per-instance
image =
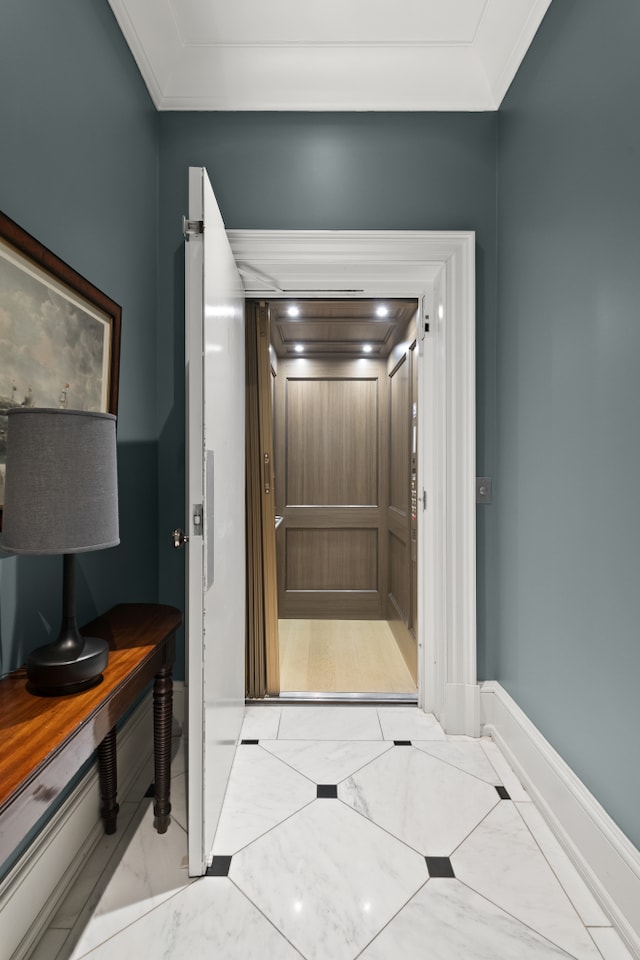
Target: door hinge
{"type": "Point", "coordinates": [424, 499]}
{"type": "Point", "coordinates": [192, 229]}
{"type": "Point", "coordinates": [197, 519]}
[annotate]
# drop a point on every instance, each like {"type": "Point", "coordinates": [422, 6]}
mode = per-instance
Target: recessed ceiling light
{"type": "Point", "coordinates": [299, 348]}
{"type": "Point", "coordinates": [367, 348]}
{"type": "Point", "coordinates": [382, 311]}
{"type": "Point", "coordinates": [293, 311]}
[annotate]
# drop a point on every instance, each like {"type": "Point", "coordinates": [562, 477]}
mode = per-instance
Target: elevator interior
{"type": "Point", "coordinates": [343, 377]}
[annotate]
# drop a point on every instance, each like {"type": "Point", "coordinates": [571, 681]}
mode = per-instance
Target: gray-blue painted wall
{"type": "Point", "coordinates": [79, 171]}
{"type": "Point", "coordinates": [567, 491]}
{"type": "Point", "coordinates": [334, 172]}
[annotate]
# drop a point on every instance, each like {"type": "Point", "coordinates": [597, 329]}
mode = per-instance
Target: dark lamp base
{"type": "Point", "coordinates": [55, 671]}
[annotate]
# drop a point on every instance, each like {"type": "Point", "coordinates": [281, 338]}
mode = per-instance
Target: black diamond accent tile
{"type": "Point", "coordinates": [249, 743]}
{"type": "Point", "coordinates": [219, 867]}
{"type": "Point", "coordinates": [402, 743]}
{"type": "Point", "coordinates": [151, 790]}
{"type": "Point", "coordinates": [502, 793]}
{"type": "Point", "coordinates": [327, 791]}
{"type": "Point", "coordinates": [439, 867]}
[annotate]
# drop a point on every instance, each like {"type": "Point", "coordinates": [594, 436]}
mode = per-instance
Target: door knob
{"type": "Point", "coordinates": [179, 538]}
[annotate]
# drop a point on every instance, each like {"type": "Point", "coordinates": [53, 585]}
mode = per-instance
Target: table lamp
{"type": "Point", "coordinates": [61, 496]}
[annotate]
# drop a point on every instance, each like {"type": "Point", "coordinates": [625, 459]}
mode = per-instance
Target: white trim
{"type": "Point", "coordinates": [440, 267]}
{"type": "Point", "coordinates": [206, 60]}
{"type": "Point", "coordinates": [154, 60]}
{"type": "Point", "coordinates": [35, 886]}
{"type": "Point", "coordinates": [461, 709]}
{"type": "Point", "coordinates": [502, 71]}
{"type": "Point", "coordinates": [179, 715]}
{"type": "Point", "coordinates": [605, 857]}
{"type": "Point", "coordinates": [461, 714]}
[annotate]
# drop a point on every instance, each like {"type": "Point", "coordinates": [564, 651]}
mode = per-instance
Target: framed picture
{"type": "Point", "coordinates": [59, 335]}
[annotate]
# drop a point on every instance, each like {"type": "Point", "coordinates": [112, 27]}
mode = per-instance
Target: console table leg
{"type": "Point", "coordinates": [162, 721]}
{"type": "Point", "coordinates": [108, 770]}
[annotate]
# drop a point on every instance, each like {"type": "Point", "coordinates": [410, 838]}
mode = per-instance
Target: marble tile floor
{"type": "Point", "coordinates": [346, 832]}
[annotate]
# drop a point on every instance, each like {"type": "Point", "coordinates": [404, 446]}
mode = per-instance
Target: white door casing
{"type": "Point", "coordinates": [439, 267]}
{"type": "Point", "coordinates": [215, 378]}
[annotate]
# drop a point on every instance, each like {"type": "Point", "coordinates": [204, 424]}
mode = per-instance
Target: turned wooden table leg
{"type": "Point", "coordinates": [162, 721]}
{"type": "Point", "coordinates": [108, 770]}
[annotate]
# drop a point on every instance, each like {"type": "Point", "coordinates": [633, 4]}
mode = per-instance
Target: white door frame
{"type": "Point", "coordinates": [439, 270]}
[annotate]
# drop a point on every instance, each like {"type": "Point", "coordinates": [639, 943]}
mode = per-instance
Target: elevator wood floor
{"type": "Point", "coordinates": [341, 656]}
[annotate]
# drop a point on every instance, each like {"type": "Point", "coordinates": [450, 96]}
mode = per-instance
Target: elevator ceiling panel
{"type": "Point", "coordinates": [347, 328]}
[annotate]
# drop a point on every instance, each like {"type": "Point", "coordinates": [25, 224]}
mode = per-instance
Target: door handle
{"type": "Point", "coordinates": [179, 538]}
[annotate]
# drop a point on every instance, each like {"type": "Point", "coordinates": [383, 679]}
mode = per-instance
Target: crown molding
{"type": "Point", "coordinates": [447, 72]}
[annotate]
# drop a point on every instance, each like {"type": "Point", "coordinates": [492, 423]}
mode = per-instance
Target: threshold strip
{"type": "Point", "coordinates": [308, 696]}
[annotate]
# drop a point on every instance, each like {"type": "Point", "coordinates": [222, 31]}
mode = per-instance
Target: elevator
{"type": "Point", "coordinates": [343, 392]}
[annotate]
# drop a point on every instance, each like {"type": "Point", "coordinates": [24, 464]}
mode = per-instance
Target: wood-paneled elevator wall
{"type": "Point", "coordinates": [345, 454]}
{"type": "Point", "coordinates": [331, 489]}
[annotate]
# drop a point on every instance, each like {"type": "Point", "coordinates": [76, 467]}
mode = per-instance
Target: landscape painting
{"type": "Point", "coordinates": [56, 343]}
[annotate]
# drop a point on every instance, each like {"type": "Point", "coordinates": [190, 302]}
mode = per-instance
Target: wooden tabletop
{"type": "Point", "coordinates": [33, 729]}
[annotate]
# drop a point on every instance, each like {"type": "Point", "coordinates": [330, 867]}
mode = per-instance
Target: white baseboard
{"type": "Point", "coordinates": [33, 889]}
{"type": "Point", "coordinates": [605, 857]}
{"type": "Point", "coordinates": [179, 700]}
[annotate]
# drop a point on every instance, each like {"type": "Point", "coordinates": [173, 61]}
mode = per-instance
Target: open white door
{"type": "Point", "coordinates": [215, 381]}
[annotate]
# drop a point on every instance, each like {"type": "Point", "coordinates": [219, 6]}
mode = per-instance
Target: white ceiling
{"type": "Point", "coordinates": [335, 55]}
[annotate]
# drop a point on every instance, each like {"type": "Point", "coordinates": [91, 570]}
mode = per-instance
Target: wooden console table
{"type": "Point", "coordinates": [45, 740]}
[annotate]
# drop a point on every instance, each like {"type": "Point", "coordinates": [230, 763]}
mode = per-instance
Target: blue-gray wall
{"type": "Point", "coordinates": [79, 171]}
{"type": "Point", "coordinates": [83, 158]}
{"type": "Point", "coordinates": [567, 492]}
{"type": "Point", "coordinates": [329, 172]}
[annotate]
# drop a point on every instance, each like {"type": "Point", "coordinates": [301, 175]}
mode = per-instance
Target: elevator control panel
{"type": "Point", "coordinates": [414, 489]}
{"type": "Point", "coordinates": [414, 462]}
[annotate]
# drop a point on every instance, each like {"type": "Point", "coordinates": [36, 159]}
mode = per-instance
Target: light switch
{"type": "Point", "coordinates": [484, 490]}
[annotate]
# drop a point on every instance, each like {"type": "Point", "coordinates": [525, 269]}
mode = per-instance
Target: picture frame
{"type": "Point", "coordinates": [59, 334]}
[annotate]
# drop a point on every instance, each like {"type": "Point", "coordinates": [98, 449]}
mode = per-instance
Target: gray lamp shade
{"type": "Point", "coordinates": [61, 487]}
